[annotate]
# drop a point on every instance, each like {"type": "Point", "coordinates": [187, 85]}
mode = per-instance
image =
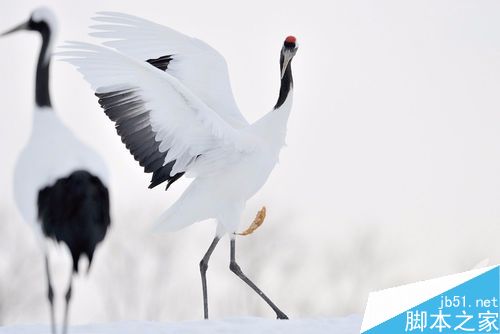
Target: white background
{"type": "Point", "coordinates": [391, 174]}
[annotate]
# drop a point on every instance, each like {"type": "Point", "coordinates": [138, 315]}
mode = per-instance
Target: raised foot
{"type": "Point", "coordinates": [259, 219]}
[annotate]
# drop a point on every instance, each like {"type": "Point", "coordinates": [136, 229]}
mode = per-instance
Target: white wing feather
{"type": "Point", "coordinates": [195, 64]}
{"type": "Point", "coordinates": [185, 126]}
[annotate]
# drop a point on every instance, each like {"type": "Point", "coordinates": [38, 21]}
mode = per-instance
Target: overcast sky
{"type": "Point", "coordinates": [393, 156]}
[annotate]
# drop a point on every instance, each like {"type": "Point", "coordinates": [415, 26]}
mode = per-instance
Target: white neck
{"type": "Point", "coordinates": [272, 126]}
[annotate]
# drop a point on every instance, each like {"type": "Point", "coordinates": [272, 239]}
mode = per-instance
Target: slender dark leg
{"type": "Point", "coordinates": [50, 296]}
{"type": "Point", "coordinates": [235, 268]}
{"type": "Point", "coordinates": [203, 271]}
{"type": "Point", "coordinates": [67, 299]}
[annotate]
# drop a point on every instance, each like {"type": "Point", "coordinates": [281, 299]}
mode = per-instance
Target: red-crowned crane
{"type": "Point", "coordinates": [171, 100]}
{"type": "Point", "coordinates": [59, 183]}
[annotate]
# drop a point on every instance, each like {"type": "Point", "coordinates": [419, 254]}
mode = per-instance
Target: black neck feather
{"type": "Point", "coordinates": [42, 96]}
{"type": "Point", "coordinates": [286, 83]}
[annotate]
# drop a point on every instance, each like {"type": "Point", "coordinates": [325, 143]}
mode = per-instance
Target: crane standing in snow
{"type": "Point", "coordinates": [59, 183]}
{"type": "Point", "coordinates": [171, 99]}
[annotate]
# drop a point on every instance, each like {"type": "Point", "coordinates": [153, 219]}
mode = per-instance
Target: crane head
{"type": "Point", "coordinates": [288, 51]}
{"type": "Point", "coordinates": [42, 20]}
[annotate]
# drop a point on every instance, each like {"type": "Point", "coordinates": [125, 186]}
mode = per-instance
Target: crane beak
{"type": "Point", "coordinates": [287, 57]}
{"type": "Point", "coordinates": [22, 26]}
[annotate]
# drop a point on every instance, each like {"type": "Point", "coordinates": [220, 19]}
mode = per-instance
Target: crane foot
{"type": "Point", "coordinates": [259, 219]}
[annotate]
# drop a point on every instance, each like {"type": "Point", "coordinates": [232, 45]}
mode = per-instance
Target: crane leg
{"type": "Point", "coordinates": [67, 298]}
{"type": "Point", "coordinates": [235, 268]}
{"type": "Point", "coordinates": [50, 295]}
{"type": "Point", "coordinates": [203, 271]}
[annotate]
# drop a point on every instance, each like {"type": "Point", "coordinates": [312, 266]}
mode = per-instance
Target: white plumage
{"type": "Point", "coordinates": [192, 113]}
{"type": "Point", "coordinates": [60, 184]}
{"type": "Point", "coordinates": [196, 65]}
{"type": "Point", "coordinates": [52, 152]}
{"type": "Point", "coordinates": [171, 99]}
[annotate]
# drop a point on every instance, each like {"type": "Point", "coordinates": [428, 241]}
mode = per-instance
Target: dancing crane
{"type": "Point", "coordinates": [59, 183]}
{"type": "Point", "coordinates": [171, 100]}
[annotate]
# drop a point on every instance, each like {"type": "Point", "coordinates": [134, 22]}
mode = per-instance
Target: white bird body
{"type": "Point", "coordinates": [192, 115]}
{"type": "Point", "coordinates": [52, 152]}
{"type": "Point", "coordinates": [222, 195]}
{"type": "Point", "coordinates": [60, 184]}
{"type": "Point", "coordinates": [171, 100]}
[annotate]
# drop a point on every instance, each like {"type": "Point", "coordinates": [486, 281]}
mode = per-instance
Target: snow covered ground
{"type": "Point", "coordinates": [246, 325]}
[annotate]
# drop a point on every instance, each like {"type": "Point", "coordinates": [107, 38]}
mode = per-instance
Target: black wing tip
{"type": "Point", "coordinates": [161, 62]}
{"type": "Point", "coordinates": [126, 109]}
{"type": "Point", "coordinates": [158, 182]}
{"type": "Point", "coordinates": [158, 179]}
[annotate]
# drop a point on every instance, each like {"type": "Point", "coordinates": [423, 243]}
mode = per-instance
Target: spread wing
{"type": "Point", "coordinates": [199, 67]}
{"type": "Point", "coordinates": [165, 126]}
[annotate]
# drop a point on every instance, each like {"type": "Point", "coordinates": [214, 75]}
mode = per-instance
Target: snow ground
{"type": "Point", "coordinates": [246, 325]}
